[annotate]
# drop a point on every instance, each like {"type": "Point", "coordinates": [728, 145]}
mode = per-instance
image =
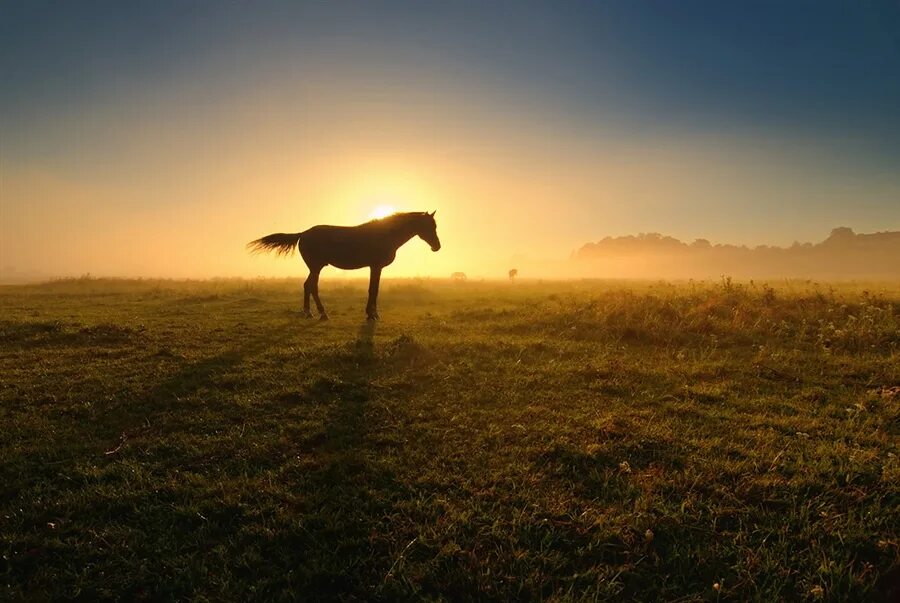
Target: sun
{"type": "Point", "coordinates": [381, 211]}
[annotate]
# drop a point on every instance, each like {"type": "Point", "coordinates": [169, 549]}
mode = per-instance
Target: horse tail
{"type": "Point", "coordinates": [281, 243]}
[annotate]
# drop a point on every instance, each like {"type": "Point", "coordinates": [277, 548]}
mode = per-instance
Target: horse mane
{"type": "Point", "coordinates": [395, 217]}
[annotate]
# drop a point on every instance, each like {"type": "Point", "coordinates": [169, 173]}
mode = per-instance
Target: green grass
{"type": "Point", "coordinates": [641, 441]}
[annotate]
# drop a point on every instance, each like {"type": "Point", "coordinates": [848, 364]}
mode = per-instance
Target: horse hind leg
{"type": "Point", "coordinates": [307, 292]}
{"type": "Point", "coordinates": [315, 294]}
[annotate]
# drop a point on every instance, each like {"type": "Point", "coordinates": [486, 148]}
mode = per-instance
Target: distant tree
{"type": "Point", "coordinates": [513, 273]}
{"type": "Point", "coordinates": [841, 233]}
{"type": "Point", "coordinates": [459, 277]}
{"type": "Point", "coordinates": [843, 253]}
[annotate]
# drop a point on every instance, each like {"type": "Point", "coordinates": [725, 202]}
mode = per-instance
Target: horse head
{"type": "Point", "coordinates": [426, 229]}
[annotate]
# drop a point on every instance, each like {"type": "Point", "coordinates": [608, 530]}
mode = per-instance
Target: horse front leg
{"type": "Point", "coordinates": [372, 305]}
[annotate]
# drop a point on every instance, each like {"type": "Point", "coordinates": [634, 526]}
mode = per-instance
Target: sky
{"type": "Point", "coordinates": [157, 138]}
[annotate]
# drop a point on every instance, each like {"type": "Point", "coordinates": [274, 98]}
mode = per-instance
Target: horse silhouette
{"type": "Point", "coordinates": [373, 244]}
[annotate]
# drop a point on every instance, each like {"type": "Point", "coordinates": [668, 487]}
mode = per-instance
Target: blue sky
{"type": "Point", "coordinates": [818, 66]}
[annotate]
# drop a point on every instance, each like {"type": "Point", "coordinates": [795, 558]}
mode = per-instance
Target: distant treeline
{"type": "Point", "coordinates": [844, 254]}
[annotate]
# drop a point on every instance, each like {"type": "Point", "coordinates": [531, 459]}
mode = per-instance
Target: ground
{"type": "Point", "coordinates": [527, 440]}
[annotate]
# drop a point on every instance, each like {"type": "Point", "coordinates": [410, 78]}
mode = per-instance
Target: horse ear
{"type": "Point", "coordinates": [432, 213]}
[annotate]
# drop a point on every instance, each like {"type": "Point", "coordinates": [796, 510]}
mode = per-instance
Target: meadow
{"type": "Point", "coordinates": [591, 440]}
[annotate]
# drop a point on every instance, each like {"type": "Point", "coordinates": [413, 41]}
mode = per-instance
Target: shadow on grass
{"type": "Point", "coordinates": [157, 413]}
{"type": "Point", "coordinates": [341, 538]}
{"type": "Point", "coordinates": [178, 392]}
{"type": "Point", "coordinates": [201, 487]}
{"type": "Point", "coordinates": [48, 334]}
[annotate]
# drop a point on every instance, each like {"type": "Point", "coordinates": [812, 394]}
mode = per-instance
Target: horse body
{"type": "Point", "coordinates": [373, 244]}
{"type": "Point", "coordinates": [348, 247]}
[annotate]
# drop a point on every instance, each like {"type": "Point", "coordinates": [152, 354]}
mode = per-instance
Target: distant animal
{"type": "Point", "coordinates": [459, 276]}
{"type": "Point", "coordinates": [513, 273]}
{"type": "Point", "coordinates": [373, 244]}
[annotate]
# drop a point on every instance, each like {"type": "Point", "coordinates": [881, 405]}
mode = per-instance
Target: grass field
{"type": "Point", "coordinates": [565, 441]}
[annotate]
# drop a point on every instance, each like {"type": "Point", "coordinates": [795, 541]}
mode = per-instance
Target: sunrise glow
{"type": "Point", "coordinates": [381, 211]}
{"type": "Point", "coordinates": [532, 134]}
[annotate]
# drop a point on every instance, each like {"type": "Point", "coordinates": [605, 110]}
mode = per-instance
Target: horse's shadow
{"type": "Point", "coordinates": [365, 342]}
{"type": "Point", "coordinates": [351, 392]}
{"type": "Point", "coordinates": [348, 484]}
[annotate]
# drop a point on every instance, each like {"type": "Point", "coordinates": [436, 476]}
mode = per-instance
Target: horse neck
{"type": "Point", "coordinates": [402, 232]}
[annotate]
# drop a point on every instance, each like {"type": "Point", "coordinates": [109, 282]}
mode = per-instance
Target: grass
{"type": "Point", "coordinates": [562, 441]}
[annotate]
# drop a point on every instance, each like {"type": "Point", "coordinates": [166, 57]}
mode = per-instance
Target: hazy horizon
{"type": "Point", "coordinates": [843, 255]}
{"type": "Point", "coordinates": [156, 140]}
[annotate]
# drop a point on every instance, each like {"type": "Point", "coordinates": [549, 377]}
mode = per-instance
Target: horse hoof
{"type": "Point", "coordinates": [372, 317]}
{"type": "Point", "coordinates": [307, 314]}
{"type": "Point", "coordinates": [323, 316]}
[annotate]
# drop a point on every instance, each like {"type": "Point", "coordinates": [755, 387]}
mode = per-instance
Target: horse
{"type": "Point", "coordinates": [373, 245]}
